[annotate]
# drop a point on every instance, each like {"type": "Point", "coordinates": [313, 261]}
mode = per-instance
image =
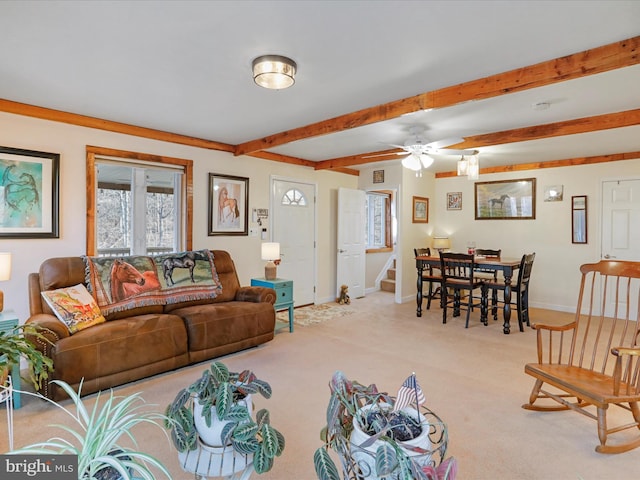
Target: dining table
{"type": "Point", "coordinates": [505, 265]}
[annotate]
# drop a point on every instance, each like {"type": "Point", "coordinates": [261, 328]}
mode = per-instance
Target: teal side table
{"type": "Point", "coordinates": [9, 321]}
{"type": "Point", "coordinates": [284, 294]}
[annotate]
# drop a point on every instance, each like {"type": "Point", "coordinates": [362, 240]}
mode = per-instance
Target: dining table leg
{"type": "Point", "coordinates": [420, 268]}
{"type": "Point", "coordinates": [506, 327]}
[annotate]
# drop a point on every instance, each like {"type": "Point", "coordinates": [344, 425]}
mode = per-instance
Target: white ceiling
{"type": "Point", "coordinates": [185, 67]}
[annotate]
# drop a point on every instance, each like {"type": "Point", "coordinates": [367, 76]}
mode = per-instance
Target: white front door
{"type": "Point", "coordinates": [351, 264]}
{"type": "Point", "coordinates": [620, 230]}
{"type": "Point", "coordinates": [293, 226]}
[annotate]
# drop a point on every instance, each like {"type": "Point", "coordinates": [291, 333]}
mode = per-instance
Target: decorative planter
{"type": "Point", "coordinates": [209, 461]}
{"type": "Point", "coordinates": [211, 435]}
{"type": "Point", "coordinates": [365, 457]}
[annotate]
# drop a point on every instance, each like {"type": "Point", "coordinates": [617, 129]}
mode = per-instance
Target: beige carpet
{"type": "Point", "coordinates": [473, 378]}
{"type": "Point", "coordinates": [313, 314]}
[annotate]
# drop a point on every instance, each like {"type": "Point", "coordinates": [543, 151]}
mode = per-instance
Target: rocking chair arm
{"type": "Point", "coordinates": [619, 351]}
{"type": "Point", "coordinates": [555, 328]}
{"type": "Point", "coordinates": [622, 369]}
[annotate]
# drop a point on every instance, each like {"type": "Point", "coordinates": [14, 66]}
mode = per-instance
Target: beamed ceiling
{"type": "Point", "coordinates": [367, 73]}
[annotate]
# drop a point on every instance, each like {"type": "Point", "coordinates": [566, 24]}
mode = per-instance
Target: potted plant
{"type": "Point", "coordinates": [18, 343]}
{"type": "Point", "coordinates": [373, 440]}
{"type": "Point", "coordinates": [221, 401]}
{"type": "Point", "coordinates": [98, 431]}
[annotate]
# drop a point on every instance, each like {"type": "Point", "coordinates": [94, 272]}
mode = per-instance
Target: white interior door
{"type": "Point", "coordinates": [621, 228]}
{"type": "Point", "coordinates": [293, 226]}
{"type": "Point", "coordinates": [351, 243]}
{"type": "Point", "coordinates": [621, 219]}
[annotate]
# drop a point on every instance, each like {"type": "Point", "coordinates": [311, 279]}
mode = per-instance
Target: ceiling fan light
{"type": "Point", "coordinates": [474, 167]}
{"type": "Point", "coordinates": [274, 71]}
{"type": "Point", "coordinates": [463, 166]}
{"type": "Point", "coordinates": [412, 162]}
{"type": "Point", "coordinates": [426, 160]}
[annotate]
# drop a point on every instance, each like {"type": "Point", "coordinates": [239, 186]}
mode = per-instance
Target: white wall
{"type": "Point", "coordinates": [556, 277]}
{"type": "Point", "coordinates": [70, 142]}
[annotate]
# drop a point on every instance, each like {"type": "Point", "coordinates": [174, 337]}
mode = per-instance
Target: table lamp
{"type": "Point", "coordinates": [441, 244]}
{"type": "Point", "coordinates": [5, 273]}
{"type": "Point", "coordinates": [271, 253]}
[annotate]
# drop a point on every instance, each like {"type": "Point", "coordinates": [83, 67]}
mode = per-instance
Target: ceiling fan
{"type": "Point", "coordinates": [418, 150]}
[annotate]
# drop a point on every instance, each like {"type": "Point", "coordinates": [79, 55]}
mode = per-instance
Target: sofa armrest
{"type": "Point", "coordinates": [50, 327]}
{"type": "Point", "coordinates": [256, 294]}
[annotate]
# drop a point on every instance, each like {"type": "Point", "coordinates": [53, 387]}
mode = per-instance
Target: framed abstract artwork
{"type": "Point", "coordinates": [228, 205]}
{"type": "Point", "coordinates": [454, 201]}
{"type": "Point", "coordinates": [29, 193]}
{"type": "Point", "coordinates": [506, 200]}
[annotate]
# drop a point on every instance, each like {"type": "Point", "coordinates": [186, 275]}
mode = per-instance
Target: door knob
{"type": "Point", "coordinates": [607, 256]}
{"type": "Point", "coordinates": [341, 251]}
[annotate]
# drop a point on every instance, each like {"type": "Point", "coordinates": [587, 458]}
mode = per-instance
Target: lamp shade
{"type": "Point", "coordinates": [270, 251]}
{"type": "Point", "coordinates": [5, 266]}
{"type": "Point", "coordinates": [441, 243]}
{"type": "Point", "coordinates": [274, 71]}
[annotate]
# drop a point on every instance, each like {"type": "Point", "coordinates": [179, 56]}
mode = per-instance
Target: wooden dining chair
{"type": "Point", "coordinates": [457, 275]}
{"type": "Point", "coordinates": [431, 275]}
{"type": "Point", "coordinates": [485, 273]}
{"type": "Point", "coordinates": [519, 291]}
{"type": "Point", "coordinates": [487, 253]}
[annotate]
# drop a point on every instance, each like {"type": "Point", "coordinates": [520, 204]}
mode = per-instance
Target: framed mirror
{"type": "Point", "coordinates": [579, 219]}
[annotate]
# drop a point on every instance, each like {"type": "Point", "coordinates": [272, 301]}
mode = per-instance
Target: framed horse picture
{"type": "Point", "coordinates": [29, 193]}
{"type": "Point", "coordinates": [228, 205]}
{"type": "Point", "coordinates": [506, 200]}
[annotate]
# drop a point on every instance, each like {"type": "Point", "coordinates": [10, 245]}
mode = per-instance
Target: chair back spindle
{"type": "Point", "coordinates": [604, 318]}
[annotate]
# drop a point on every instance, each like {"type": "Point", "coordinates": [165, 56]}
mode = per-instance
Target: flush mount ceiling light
{"type": "Point", "coordinates": [274, 71]}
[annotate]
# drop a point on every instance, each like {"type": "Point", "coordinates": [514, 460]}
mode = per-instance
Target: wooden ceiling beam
{"type": "Point", "coordinates": [535, 132]}
{"type": "Point", "coordinates": [43, 113]}
{"type": "Point", "coordinates": [569, 127]}
{"type": "Point", "coordinates": [597, 60]}
{"type": "Point", "coordinates": [568, 162]}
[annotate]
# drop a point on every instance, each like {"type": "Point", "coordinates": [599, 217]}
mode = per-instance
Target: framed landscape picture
{"type": "Point", "coordinates": [228, 205]}
{"type": "Point", "coordinates": [420, 210]}
{"type": "Point", "coordinates": [29, 193]}
{"type": "Point", "coordinates": [506, 200]}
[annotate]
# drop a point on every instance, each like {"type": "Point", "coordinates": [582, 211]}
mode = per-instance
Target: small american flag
{"type": "Point", "coordinates": [410, 391]}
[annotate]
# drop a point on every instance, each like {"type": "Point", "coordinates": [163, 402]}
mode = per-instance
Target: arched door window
{"type": "Point", "coordinates": [294, 197]}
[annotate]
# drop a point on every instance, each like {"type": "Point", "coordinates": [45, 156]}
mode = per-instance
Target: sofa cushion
{"type": "Point", "coordinates": [121, 346]}
{"type": "Point", "coordinates": [74, 306]}
{"type": "Point", "coordinates": [220, 328]}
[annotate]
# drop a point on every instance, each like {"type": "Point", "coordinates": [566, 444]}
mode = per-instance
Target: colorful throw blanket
{"type": "Point", "coordinates": [123, 283]}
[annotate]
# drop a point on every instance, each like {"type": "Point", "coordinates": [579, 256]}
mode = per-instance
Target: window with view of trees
{"type": "Point", "coordinates": [140, 207]}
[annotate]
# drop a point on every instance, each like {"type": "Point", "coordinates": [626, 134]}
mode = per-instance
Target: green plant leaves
{"type": "Point", "coordinates": [220, 372]}
{"type": "Point", "coordinates": [325, 468]}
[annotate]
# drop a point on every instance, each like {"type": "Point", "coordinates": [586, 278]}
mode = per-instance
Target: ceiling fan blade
{"type": "Point", "coordinates": [451, 151]}
{"type": "Point", "coordinates": [445, 142]}
{"type": "Point", "coordinates": [384, 154]}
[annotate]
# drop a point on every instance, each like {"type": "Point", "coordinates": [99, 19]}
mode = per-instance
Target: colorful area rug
{"type": "Point", "coordinates": [315, 313]}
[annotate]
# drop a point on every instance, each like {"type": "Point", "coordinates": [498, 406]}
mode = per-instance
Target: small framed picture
{"type": "Point", "coordinates": [420, 210]}
{"type": "Point", "coordinates": [454, 201]}
{"type": "Point", "coordinates": [378, 176]}
{"type": "Point", "coordinates": [553, 193]}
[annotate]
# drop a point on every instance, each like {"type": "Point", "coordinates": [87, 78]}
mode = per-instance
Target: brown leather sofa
{"type": "Point", "coordinates": [148, 340]}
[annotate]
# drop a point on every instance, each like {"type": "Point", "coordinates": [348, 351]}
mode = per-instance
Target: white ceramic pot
{"type": "Point", "coordinates": [211, 435]}
{"type": "Point", "coordinates": [365, 457]}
